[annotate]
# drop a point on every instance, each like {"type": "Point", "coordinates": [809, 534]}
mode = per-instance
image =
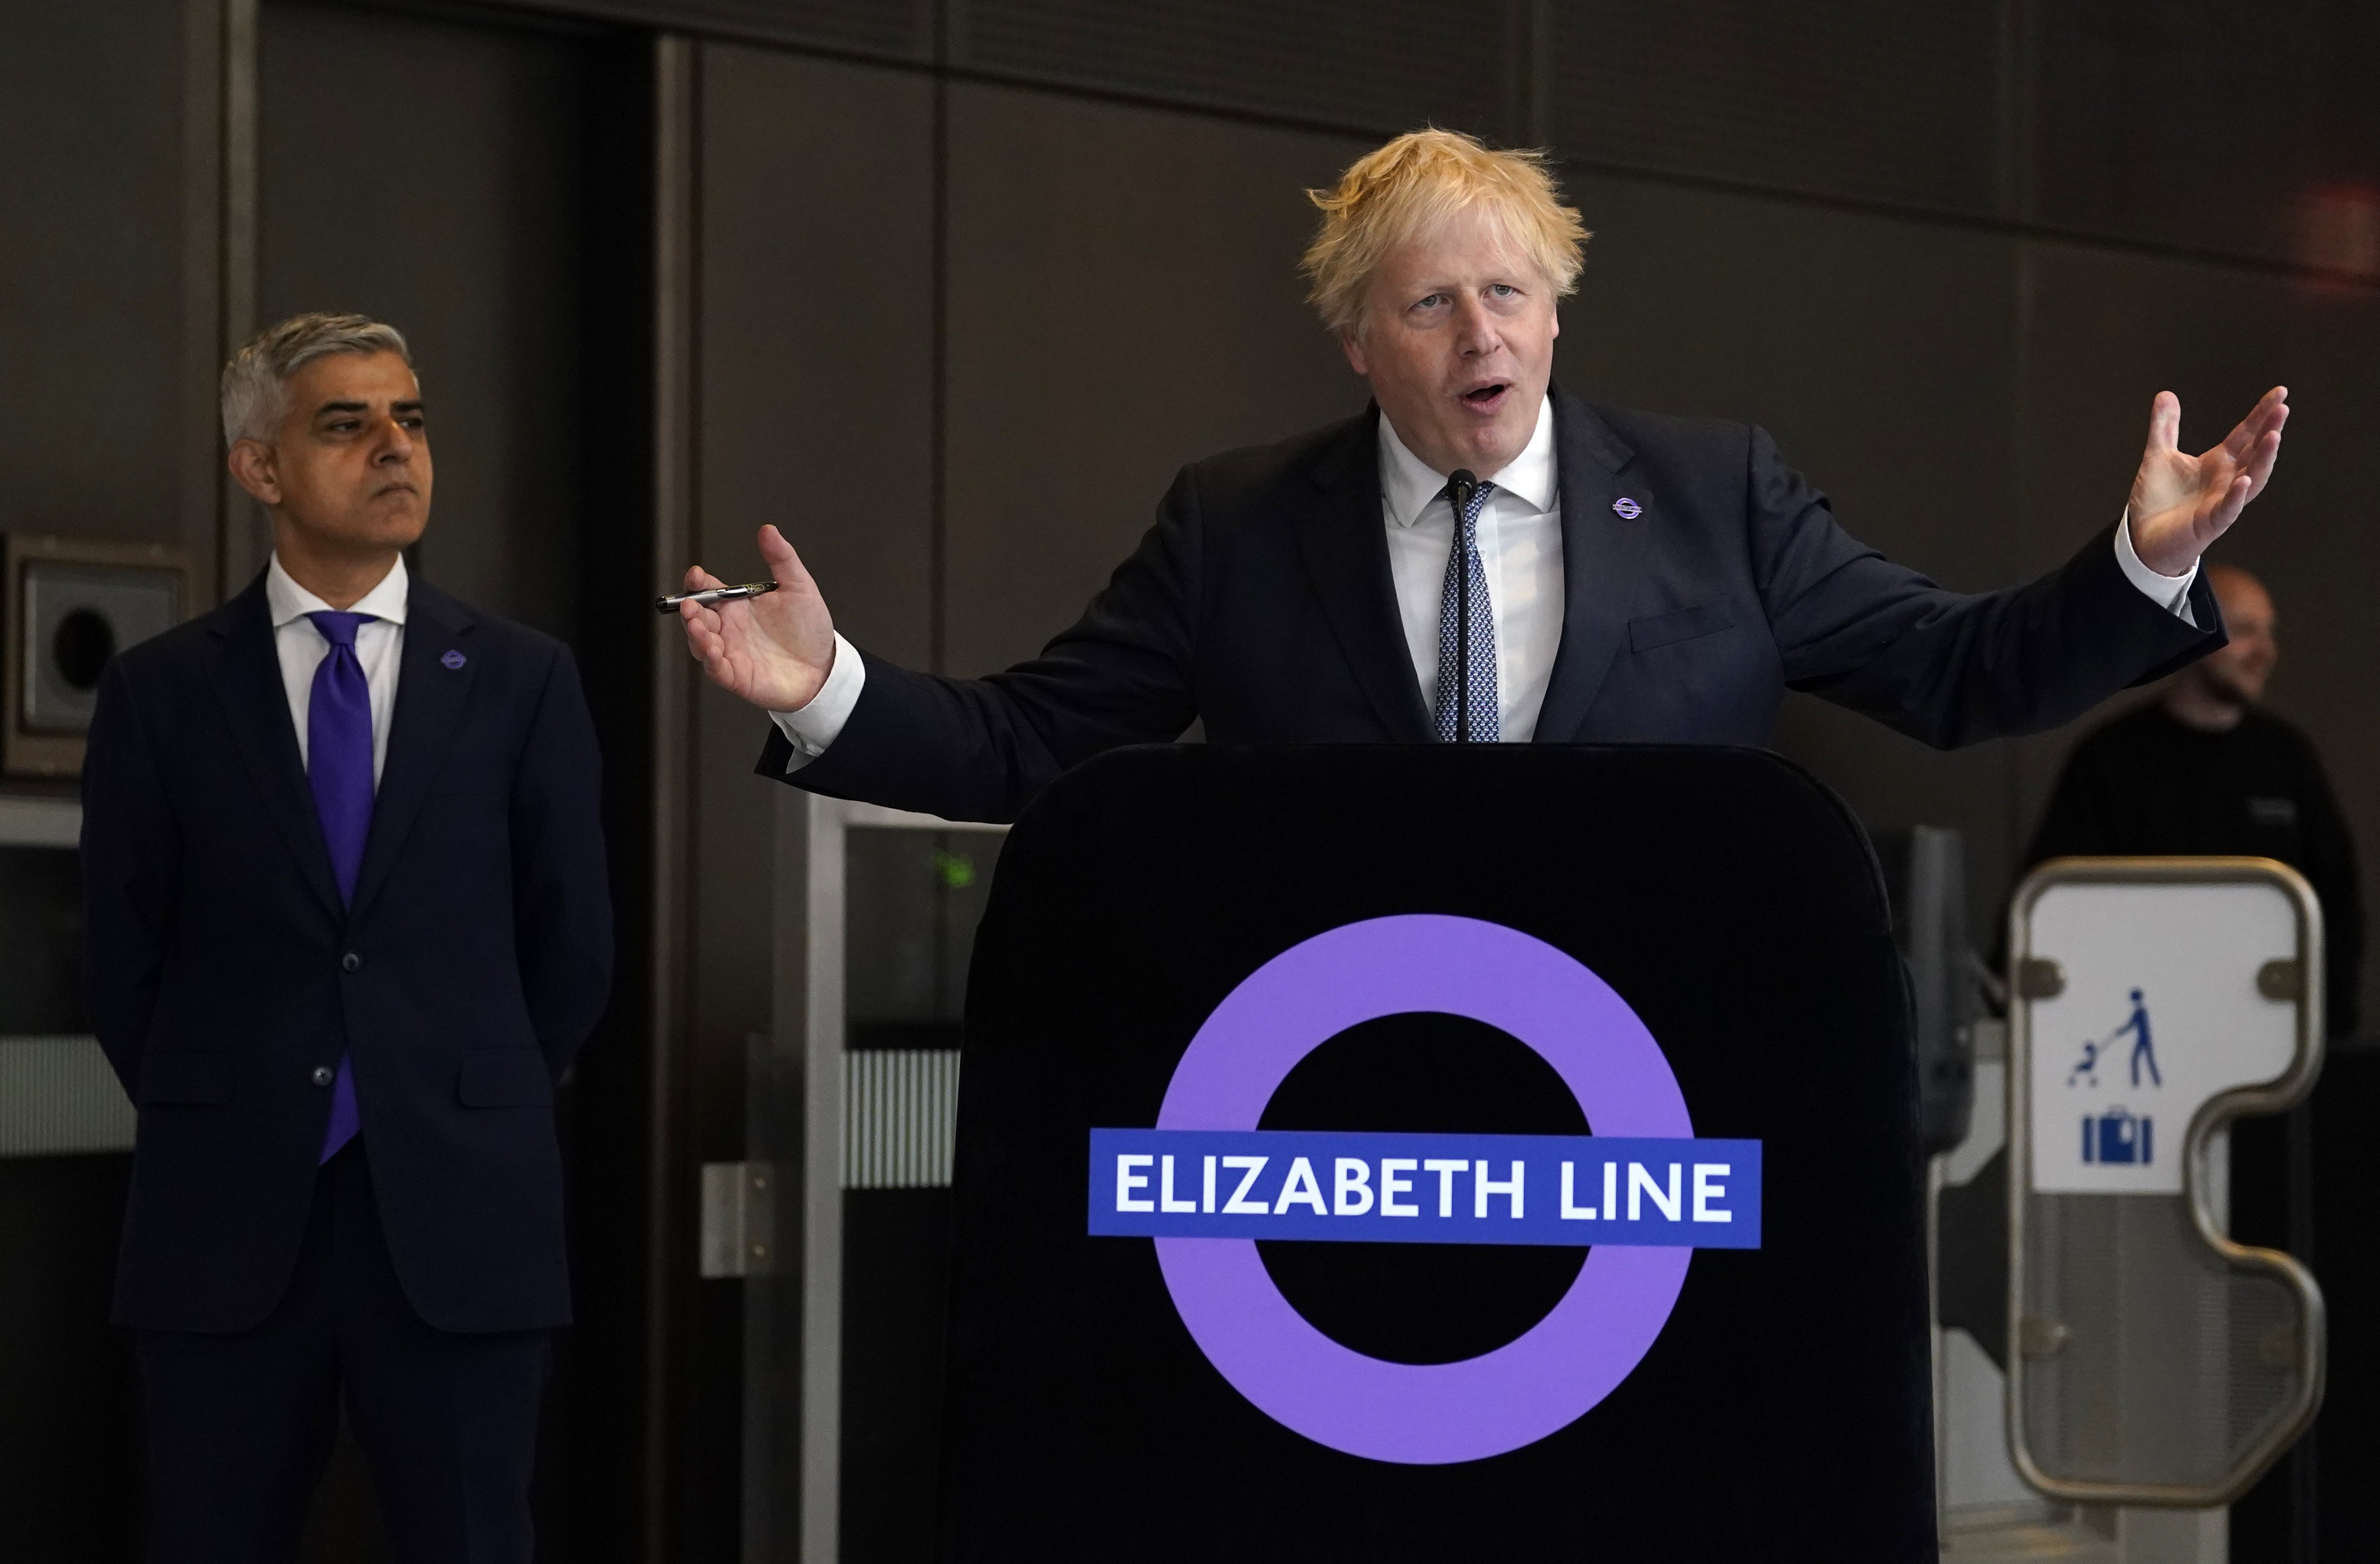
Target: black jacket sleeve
{"type": "Point", "coordinates": [1950, 668]}
{"type": "Point", "coordinates": [131, 867]}
{"type": "Point", "coordinates": [562, 903]}
{"type": "Point", "coordinates": [977, 750]}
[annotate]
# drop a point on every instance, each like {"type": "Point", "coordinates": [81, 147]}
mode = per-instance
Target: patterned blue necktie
{"type": "Point", "coordinates": [1486, 724]}
{"type": "Point", "coordinates": [339, 768]}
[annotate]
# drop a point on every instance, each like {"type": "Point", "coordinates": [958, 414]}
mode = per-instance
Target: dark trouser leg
{"type": "Point", "coordinates": [447, 1421]}
{"type": "Point", "coordinates": [240, 1426]}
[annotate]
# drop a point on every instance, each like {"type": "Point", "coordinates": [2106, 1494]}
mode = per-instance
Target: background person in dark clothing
{"type": "Point", "coordinates": [2205, 771]}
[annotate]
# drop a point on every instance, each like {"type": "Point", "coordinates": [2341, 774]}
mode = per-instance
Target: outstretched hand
{"type": "Point", "coordinates": [773, 651]}
{"type": "Point", "coordinates": [2182, 504]}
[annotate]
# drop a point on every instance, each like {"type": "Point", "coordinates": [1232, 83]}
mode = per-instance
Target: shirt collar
{"type": "Point", "coordinates": [1408, 484]}
{"type": "Point", "coordinates": [288, 601]}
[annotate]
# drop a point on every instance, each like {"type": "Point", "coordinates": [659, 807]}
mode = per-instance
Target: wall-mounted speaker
{"type": "Point", "coordinates": [73, 603]}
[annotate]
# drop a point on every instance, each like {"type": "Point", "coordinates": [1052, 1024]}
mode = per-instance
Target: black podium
{"type": "Point", "coordinates": [1438, 1153]}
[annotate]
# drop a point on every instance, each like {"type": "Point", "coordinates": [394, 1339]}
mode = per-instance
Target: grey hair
{"type": "Point", "coordinates": [255, 381]}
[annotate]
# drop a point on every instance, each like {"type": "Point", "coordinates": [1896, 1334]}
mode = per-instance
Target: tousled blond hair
{"type": "Point", "coordinates": [1417, 181]}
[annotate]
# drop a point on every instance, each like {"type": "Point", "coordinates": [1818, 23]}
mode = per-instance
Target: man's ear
{"type": "Point", "coordinates": [252, 468]}
{"type": "Point", "coordinates": [1353, 346]}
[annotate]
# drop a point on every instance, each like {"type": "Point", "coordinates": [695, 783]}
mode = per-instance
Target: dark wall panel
{"type": "Point", "coordinates": [1387, 65]}
{"type": "Point", "coordinates": [1864, 98]}
{"type": "Point", "coordinates": [897, 29]}
{"type": "Point", "coordinates": [2247, 131]}
{"type": "Point", "coordinates": [1878, 354]}
{"type": "Point", "coordinates": [2105, 333]}
{"type": "Point", "coordinates": [1123, 299]}
{"type": "Point", "coordinates": [443, 190]}
{"type": "Point", "coordinates": [816, 354]}
{"type": "Point", "coordinates": [816, 413]}
{"type": "Point", "coordinates": [93, 412]}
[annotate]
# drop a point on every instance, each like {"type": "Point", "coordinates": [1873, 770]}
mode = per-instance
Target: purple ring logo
{"type": "Point", "coordinates": [1432, 1413]}
{"type": "Point", "coordinates": [1628, 509]}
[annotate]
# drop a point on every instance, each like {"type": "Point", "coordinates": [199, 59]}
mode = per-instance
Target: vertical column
{"type": "Point", "coordinates": [669, 1183]}
{"type": "Point", "coordinates": [240, 546]}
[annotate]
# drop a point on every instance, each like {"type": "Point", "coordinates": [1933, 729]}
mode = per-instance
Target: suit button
{"type": "Point", "coordinates": [322, 1075]}
{"type": "Point", "coordinates": [351, 962]}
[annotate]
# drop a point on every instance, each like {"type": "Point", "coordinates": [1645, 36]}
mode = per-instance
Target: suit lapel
{"type": "Point", "coordinates": [1603, 554]}
{"type": "Point", "coordinates": [440, 663]}
{"type": "Point", "coordinates": [1346, 552]}
{"type": "Point", "coordinates": [244, 667]}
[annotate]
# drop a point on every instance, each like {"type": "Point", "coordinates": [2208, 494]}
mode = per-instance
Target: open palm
{"type": "Point", "coordinates": [775, 650]}
{"type": "Point", "coordinates": [2181, 503]}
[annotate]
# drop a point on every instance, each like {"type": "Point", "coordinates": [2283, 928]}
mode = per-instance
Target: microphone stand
{"type": "Point", "coordinates": [1461, 486]}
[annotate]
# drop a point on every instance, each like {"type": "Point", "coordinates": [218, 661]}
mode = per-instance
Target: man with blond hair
{"type": "Point", "coordinates": [347, 920]}
{"type": "Point", "coordinates": [1630, 577]}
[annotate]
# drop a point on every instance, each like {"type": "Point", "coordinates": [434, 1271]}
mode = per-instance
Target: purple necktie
{"type": "Point", "coordinates": [339, 766]}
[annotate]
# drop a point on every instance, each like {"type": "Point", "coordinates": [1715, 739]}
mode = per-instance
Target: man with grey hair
{"type": "Point", "coordinates": [347, 920]}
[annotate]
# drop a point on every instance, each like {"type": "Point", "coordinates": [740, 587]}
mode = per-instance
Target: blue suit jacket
{"type": "Point", "coordinates": [1261, 601]}
{"type": "Point", "coordinates": [223, 973]}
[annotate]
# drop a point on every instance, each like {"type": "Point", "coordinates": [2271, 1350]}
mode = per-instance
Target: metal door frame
{"type": "Point", "coordinates": [807, 1035]}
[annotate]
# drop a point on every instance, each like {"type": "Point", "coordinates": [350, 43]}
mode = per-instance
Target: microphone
{"type": "Point", "coordinates": [1461, 485]}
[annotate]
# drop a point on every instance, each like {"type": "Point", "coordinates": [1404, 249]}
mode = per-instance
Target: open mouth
{"type": "Point", "coordinates": [1486, 398]}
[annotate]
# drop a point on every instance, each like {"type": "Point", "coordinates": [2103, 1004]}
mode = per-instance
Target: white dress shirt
{"type": "Point", "coordinates": [380, 643]}
{"type": "Point", "coordinates": [1520, 556]}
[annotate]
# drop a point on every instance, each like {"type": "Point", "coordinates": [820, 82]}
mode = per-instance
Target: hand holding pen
{"type": "Point", "coordinates": [769, 643]}
{"type": "Point", "coordinates": [716, 595]}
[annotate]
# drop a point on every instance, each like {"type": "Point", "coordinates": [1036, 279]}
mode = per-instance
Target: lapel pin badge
{"type": "Point", "coordinates": [1626, 508]}
{"type": "Point", "coordinates": [452, 659]}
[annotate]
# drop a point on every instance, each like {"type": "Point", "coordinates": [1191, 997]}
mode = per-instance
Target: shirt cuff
{"type": "Point", "coordinates": [2168, 592]}
{"type": "Point", "coordinates": [815, 726]}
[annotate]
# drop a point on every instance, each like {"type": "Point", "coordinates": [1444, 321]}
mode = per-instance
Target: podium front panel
{"type": "Point", "coordinates": [1297, 1086]}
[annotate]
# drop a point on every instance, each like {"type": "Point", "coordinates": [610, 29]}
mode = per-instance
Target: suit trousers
{"type": "Point", "coordinates": [240, 1426]}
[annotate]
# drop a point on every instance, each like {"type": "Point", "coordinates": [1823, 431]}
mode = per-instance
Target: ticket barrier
{"type": "Point", "coordinates": [2112, 1368]}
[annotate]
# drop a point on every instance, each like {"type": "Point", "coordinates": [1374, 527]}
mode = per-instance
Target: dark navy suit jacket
{"type": "Point", "coordinates": [223, 973]}
{"type": "Point", "coordinates": [1261, 601]}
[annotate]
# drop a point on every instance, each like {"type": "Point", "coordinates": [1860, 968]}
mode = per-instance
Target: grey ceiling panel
{"type": "Point", "coordinates": [1864, 99]}
{"type": "Point", "coordinates": [1371, 65]}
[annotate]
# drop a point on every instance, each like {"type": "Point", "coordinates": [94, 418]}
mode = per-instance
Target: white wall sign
{"type": "Point", "coordinates": [2160, 1013]}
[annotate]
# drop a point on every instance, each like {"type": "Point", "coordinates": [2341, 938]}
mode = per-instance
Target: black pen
{"type": "Point", "coordinates": [716, 595]}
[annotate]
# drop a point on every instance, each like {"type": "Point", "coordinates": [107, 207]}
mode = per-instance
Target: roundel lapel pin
{"type": "Point", "coordinates": [453, 660]}
{"type": "Point", "coordinates": [1626, 508]}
